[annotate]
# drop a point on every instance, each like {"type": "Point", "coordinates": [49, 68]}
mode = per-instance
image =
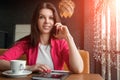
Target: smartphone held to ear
{"type": "Point", "coordinates": [54, 30]}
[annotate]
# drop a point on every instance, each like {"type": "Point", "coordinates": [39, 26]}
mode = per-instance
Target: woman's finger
{"type": "Point", "coordinates": [58, 24]}
{"type": "Point", "coordinates": [44, 68]}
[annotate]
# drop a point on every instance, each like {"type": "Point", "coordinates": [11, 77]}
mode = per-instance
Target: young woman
{"type": "Point", "coordinates": [48, 46]}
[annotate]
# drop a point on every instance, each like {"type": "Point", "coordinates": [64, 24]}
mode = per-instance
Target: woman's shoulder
{"type": "Point", "coordinates": [24, 40]}
{"type": "Point", "coordinates": [22, 43]}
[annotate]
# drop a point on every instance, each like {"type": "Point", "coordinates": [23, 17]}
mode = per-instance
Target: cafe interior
{"type": "Point", "coordinates": [94, 25]}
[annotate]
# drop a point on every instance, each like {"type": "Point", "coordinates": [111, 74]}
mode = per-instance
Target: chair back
{"type": "Point", "coordinates": [85, 56]}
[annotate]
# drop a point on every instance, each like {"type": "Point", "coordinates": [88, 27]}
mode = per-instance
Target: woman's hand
{"type": "Point", "coordinates": [61, 31]}
{"type": "Point", "coordinates": [40, 68]}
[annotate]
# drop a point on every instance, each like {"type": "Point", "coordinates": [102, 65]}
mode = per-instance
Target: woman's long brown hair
{"type": "Point", "coordinates": [35, 33]}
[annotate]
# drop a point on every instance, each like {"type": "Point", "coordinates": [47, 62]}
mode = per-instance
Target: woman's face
{"type": "Point", "coordinates": [45, 21]}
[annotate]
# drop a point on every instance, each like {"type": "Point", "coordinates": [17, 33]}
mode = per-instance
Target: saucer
{"type": "Point", "coordinates": [10, 74]}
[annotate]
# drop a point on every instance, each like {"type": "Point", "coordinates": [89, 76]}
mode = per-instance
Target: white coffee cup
{"type": "Point", "coordinates": [17, 66]}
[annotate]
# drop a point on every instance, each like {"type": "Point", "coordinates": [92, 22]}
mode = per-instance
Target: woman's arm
{"type": "Point", "coordinates": [75, 59]}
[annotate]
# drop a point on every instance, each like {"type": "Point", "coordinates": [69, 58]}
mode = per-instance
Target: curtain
{"type": "Point", "coordinates": [106, 38]}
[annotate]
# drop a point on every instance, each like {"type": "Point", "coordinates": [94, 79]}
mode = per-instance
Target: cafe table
{"type": "Point", "coordinates": [81, 76]}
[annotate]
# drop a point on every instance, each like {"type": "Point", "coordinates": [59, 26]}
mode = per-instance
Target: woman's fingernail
{"type": "Point", "coordinates": [48, 70]}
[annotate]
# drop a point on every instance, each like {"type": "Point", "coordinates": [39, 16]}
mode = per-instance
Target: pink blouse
{"type": "Point", "coordinates": [59, 52]}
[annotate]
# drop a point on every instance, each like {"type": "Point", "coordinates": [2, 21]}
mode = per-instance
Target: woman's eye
{"type": "Point", "coordinates": [52, 18]}
{"type": "Point", "coordinates": [40, 17]}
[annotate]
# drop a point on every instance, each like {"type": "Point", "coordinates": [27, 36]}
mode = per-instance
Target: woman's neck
{"type": "Point", "coordinates": [44, 39]}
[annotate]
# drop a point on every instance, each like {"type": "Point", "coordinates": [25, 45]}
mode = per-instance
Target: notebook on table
{"type": "Point", "coordinates": [53, 75]}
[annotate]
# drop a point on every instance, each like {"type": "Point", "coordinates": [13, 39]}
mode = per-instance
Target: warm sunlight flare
{"type": "Point", "coordinates": [118, 24]}
{"type": "Point", "coordinates": [107, 36]}
{"type": "Point", "coordinates": [118, 4]}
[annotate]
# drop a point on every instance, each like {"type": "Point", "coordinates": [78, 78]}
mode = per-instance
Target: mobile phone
{"type": "Point", "coordinates": [54, 30]}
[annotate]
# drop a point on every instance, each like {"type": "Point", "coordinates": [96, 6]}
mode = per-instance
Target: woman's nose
{"type": "Point", "coordinates": [46, 20]}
